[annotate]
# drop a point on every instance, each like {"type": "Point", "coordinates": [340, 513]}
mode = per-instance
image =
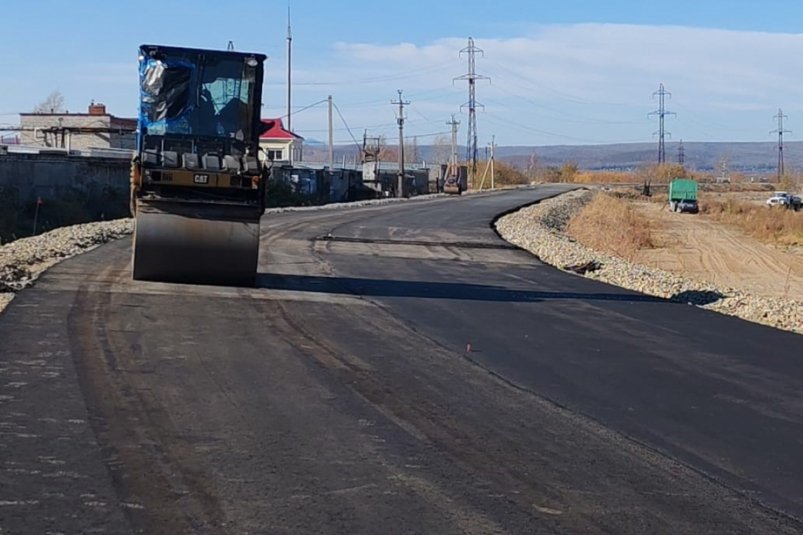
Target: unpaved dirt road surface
{"type": "Point", "coordinates": [340, 394]}
{"type": "Point", "coordinates": [695, 246]}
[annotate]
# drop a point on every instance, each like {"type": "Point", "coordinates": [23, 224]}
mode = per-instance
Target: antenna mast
{"type": "Point", "coordinates": [289, 67]}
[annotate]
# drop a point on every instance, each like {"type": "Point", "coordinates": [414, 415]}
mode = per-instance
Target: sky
{"type": "Point", "coordinates": [559, 72]}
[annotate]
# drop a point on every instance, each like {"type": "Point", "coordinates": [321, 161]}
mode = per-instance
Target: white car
{"type": "Point", "coordinates": [782, 198]}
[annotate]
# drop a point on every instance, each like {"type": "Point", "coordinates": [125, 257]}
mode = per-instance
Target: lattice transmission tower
{"type": "Point", "coordinates": [472, 104]}
{"type": "Point", "coordinates": [780, 131]}
{"type": "Point", "coordinates": [661, 113]}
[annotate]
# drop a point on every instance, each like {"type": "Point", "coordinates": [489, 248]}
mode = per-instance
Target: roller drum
{"type": "Point", "coordinates": [196, 243]}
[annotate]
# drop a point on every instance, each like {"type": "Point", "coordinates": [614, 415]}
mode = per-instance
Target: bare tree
{"type": "Point", "coordinates": [441, 150]}
{"type": "Point", "coordinates": [411, 151]}
{"type": "Point", "coordinates": [387, 153]}
{"type": "Point", "coordinates": [534, 166]}
{"type": "Point", "coordinates": [54, 103]}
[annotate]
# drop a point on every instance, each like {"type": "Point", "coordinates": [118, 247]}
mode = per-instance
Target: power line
{"type": "Point", "coordinates": [379, 79]}
{"type": "Point", "coordinates": [287, 116]}
{"type": "Point", "coordinates": [415, 109]}
{"type": "Point", "coordinates": [526, 128]}
{"type": "Point", "coordinates": [430, 134]}
{"type": "Point", "coordinates": [780, 131]}
{"type": "Point", "coordinates": [472, 77]}
{"type": "Point", "coordinates": [661, 112]}
{"type": "Point", "coordinates": [563, 115]}
{"type": "Point", "coordinates": [346, 125]}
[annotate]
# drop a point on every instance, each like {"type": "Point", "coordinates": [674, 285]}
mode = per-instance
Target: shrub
{"type": "Point", "coordinates": [610, 224]}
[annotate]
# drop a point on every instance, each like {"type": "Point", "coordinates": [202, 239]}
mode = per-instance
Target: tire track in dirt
{"type": "Point", "coordinates": [694, 246]}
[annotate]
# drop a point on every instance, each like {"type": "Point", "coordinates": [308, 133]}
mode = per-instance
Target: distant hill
{"type": "Point", "coordinates": [755, 157]}
{"type": "Point", "coordinates": [749, 157]}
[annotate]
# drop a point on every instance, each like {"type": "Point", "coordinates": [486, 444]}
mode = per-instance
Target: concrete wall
{"type": "Point", "coordinates": [73, 189]}
{"type": "Point", "coordinates": [49, 175]}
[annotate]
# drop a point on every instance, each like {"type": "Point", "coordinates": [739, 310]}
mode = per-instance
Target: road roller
{"type": "Point", "coordinates": [452, 182]}
{"type": "Point", "coordinates": [197, 185]}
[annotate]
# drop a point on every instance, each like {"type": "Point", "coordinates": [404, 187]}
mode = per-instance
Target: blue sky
{"type": "Point", "coordinates": [566, 72]}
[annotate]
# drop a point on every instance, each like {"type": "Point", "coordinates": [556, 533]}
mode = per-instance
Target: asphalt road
{"type": "Point", "coordinates": [397, 369]}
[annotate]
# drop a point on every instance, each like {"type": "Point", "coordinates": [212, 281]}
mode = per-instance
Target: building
{"type": "Point", "coordinates": [95, 129]}
{"type": "Point", "coordinates": [278, 144]}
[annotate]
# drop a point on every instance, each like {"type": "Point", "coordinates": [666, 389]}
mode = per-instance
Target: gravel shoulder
{"type": "Point", "coordinates": [23, 260]}
{"type": "Point", "coordinates": [539, 230]}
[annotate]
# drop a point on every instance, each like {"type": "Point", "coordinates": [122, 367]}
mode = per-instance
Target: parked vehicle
{"type": "Point", "coordinates": [786, 200]}
{"type": "Point", "coordinates": [683, 195]}
{"type": "Point", "coordinates": [688, 206]}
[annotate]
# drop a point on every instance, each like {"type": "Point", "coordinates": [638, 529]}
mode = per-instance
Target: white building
{"type": "Point", "coordinates": [279, 144]}
{"type": "Point", "coordinates": [94, 129]}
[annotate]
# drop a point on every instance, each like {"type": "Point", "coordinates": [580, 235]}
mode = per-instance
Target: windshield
{"type": "Point", "coordinates": [196, 94]}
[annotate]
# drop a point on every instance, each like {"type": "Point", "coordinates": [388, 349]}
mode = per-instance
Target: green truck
{"type": "Point", "coordinates": [683, 195]}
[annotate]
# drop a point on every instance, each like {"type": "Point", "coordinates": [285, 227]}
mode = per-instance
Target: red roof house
{"type": "Point", "coordinates": [280, 144]}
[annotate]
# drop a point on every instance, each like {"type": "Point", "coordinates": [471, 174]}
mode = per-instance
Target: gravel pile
{"type": "Point", "coordinates": [540, 230]}
{"type": "Point", "coordinates": [22, 261]}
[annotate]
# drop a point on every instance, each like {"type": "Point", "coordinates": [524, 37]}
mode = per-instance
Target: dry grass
{"type": "Point", "coordinates": [605, 177]}
{"type": "Point", "coordinates": [610, 224]}
{"type": "Point", "coordinates": [771, 225]}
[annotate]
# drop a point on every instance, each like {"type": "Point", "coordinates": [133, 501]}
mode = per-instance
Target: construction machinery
{"type": "Point", "coordinates": [683, 195]}
{"type": "Point", "coordinates": [197, 186]}
{"type": "Point", "coordinates": [451, 180]}
{"type": "Point", "coordinates": [455, 178]}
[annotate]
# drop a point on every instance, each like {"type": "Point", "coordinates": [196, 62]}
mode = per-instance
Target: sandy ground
{"type": "Point", "coordinates": [697, 247]}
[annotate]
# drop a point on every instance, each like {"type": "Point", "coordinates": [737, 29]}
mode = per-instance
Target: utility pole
{"type": "Point", "coordinates": [780, 131]}
{"type": "Point", "coordinates": [453, 156]}
{"type": "Point", "coordinates": [493, 155]}
{"type": "Point", "coordinates": [289, 70]}
{"type": "Point", "coordinates": [681, 153]}
{"type": "Point", "coordinates": [661, 112]}
{"type": "Point", "coordinates": [400, 120]}
{"type": "Point", "coordinates": [472, 77]}
{"type": "Point", "coordinates": [331, 136]}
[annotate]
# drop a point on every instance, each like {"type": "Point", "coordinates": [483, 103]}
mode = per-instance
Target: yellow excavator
{"type": "Point", "coordinates": [197, 185]}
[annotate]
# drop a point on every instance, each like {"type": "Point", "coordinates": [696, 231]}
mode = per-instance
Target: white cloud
{"type": "Point", "coordinates": [571, 71]}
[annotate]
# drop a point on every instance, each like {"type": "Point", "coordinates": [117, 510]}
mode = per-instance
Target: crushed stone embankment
{"type": "Point", "coordinates": [23, 260]}
{"type": "Point", "coordinates": [540, 228]}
